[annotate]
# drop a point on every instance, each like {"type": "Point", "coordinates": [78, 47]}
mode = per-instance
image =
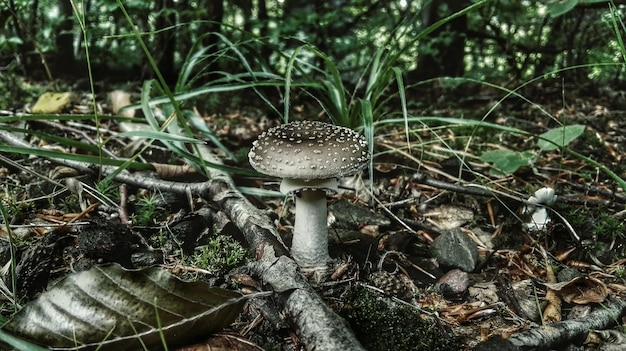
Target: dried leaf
{"type": "Point", "coordinates": [223, 342]}
{"type": "Point", "coordinates": [589, 290]}
{"type": "Point", "coordinates": [612, 336]}
{"type": "Point", "coordinates": [51, 102]}
{"type": "Point", "coordinates": [449, 216]}
{"type": "Point", "coordinates": [563, 254]}
{"type": "Point", "coordinates": [552, 312]}
{"type": "Point", "coordinates": [111, 307]}
{"type": "Point", "coordinates": [581, 290]}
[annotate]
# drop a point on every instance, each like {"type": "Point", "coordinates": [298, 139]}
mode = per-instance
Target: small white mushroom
{"type": "Point", "coordinates": [309, 173]}
{"type": "Point", "coordinates": [536, 210]}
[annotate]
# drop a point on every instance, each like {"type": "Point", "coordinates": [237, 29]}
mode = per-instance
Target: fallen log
{"type": "Point", "coordinates": [547, 337]}
{"type": "Point", "coordinates": [319, 327]}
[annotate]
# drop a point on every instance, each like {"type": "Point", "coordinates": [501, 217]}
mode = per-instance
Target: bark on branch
{"type": "Point", "coordinates": [319, 326]}
{"type": "Point", "coordinates": [548, 337]}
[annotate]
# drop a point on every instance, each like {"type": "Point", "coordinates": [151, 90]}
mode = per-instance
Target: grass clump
{"type": "Point", "coordinates": [149, 210]}
{"type": "Point", "coordinates": [380, 324]}
{"type": "Point", "coordinates": [146, 210]}
{"type": "Point", "coordinates": [610, 228]}
{"type": "Point", "coordinates": [221, 254]}
{"type": "Point", "coordinates": [620, 272]}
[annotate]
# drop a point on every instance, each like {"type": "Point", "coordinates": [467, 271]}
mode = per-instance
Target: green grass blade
{"type": "Point", "coordinates": [198, 123]}
{"type": "Point", "coordinates": [288, 79]}
{"type": "Point", "coordinates": [149, 134]}
{"type": "Point", "coordinates": [616, 16]}
{"type": "Point", "coordinates": [20, 344]}
{"type": "Point", "coordinates": [92, 159]}
{"type": "Point", "coordinates": [405, 114]}
{"type": "Point", "coordinates": [368, 133]}
{"type": "Point", "coordinates": [64, 117]}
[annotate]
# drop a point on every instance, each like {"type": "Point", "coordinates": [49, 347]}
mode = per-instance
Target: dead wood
{"type": "Point", "coordinates": [319, 327]}
{"type": "Point", "coordinates": [559, 334]}
{"type": "Point", "coordinates": [255, 225]}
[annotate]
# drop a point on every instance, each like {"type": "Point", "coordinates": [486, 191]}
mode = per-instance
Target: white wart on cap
{"type": "Point", "coordinates": [309, 150]}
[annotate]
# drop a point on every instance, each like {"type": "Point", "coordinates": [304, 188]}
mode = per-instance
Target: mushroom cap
{"type": "Point", "coordinates": [309, 150]}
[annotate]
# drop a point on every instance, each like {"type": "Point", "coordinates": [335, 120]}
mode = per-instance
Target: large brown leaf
{"type": "Point", "coordinates": [111, 307]}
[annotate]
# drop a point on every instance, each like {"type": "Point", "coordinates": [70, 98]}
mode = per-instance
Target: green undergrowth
{"type": "Point", "coordinates": [146, 210]}
{"type": "Point", "coordinates": [380, 324]}
{"type": "Point", "coordinates": [602, 234]}
{"type": "Point", "coordinates": [221, 254]}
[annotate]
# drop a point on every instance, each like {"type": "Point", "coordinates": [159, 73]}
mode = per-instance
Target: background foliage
{"type": "Point", "coordinates": [375, 66]}
{"type": "Point", "coordinates": [502, 40]}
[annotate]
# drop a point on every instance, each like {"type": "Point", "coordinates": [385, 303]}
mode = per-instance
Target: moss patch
{"type": "Point", "coordinates": [381, 324]}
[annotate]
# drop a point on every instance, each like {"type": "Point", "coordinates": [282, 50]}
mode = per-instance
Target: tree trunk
{"type": "Point", "coordinates": [264, 18]}
{"type": "Point", "coordinates": [166, 40]}
{"type": "Point", "coordinates": [65, 60]}
{"type": "Point", "coordinates": [441, 54]}
{"type": "Point", "coordinates": [214, 14]}
{"type": "Point", "coordinates": [246, 9]}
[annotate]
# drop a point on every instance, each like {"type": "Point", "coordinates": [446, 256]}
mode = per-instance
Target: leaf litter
{"type": "Point", "coordinates": [512, 259]}
{"type": "Point", "coordinates": [117, 309]}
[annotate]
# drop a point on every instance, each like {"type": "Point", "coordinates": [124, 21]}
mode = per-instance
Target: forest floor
{"type": "Point", "coordinates": [394, 290]}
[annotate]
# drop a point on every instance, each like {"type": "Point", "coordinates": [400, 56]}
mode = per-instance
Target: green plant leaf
{"type": "Point", "coordinates": [20, 344]}
{"type": "Point", "coordinates": [52, 154]}
{"type": "Point", "coordinates": [560, 7]}
{"type": "Point", "coordinates": [506, 162]}
{"type": "Point", "coordinates": [118, 309]}
{"type": "Point", "coordinates": [559, 137]}
{"type": "Point", "coordinates": [152, 134]}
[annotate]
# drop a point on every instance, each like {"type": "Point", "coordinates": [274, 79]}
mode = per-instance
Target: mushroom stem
{"type": "Point", "coordinates": [309, 246]}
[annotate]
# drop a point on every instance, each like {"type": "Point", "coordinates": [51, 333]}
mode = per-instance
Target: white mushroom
{"type": "Point", "coordinates": [309, 156]}
{"type": "Point", "coordinates": [536, 210]}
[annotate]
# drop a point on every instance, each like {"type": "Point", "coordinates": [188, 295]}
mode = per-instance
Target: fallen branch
{"type": "Point", "coordinates": [548, 337]}
{"type": "Point", "coordinates": [319, 326]}
{"type": "Point", "coordinates": [256, 226]}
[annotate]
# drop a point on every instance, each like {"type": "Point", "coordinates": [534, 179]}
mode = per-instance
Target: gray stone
{"type": "Point", "coordinates": [453, 283]}
{"type": "Point", "coordinates": [456, 250]}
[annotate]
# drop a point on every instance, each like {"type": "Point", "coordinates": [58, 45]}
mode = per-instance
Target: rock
{"type": "Point", "coordinates": [453, 283]}
{"type": "Point", "coordinates": [486, 292]}
{"type": "Point", "coordinates": [347, 215]}
{"type": "Point", "coordinates": [568, 273]}
{"type": "Point", "coordinates": [524, 294]}
{"type": "Point", "coordinates": [455, 249]}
